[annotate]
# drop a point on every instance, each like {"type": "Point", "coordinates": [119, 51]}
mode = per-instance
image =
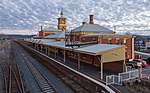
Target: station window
{"type": "Point", "coordinates": [110, 41]}
{"type": "Point", "coordinates": [93, 39]}
{"type": "Point", "coordinates": [124, 41]}
{"type": "Point", "coordinates": [99, 40]}
{"type": "Point", "coordinates": [117, 41]}
{"type": "Point", "coordinates": [121, 43]}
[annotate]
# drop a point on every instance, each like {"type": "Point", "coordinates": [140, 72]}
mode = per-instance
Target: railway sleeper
{"type": "Point", "coordinates": [63, 72]}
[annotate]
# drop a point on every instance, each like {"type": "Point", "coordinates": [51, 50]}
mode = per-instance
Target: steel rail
{"type": "Point", "coordinates": [5, 80]}
{"type": "Point", "coordinates": [22, 84]}
{"type": "Point", "coordinates": [17, 80]}
{"type": "Point", "coordinates": [10, 79]}
{"type": "Point", "coordinates": [43, 83]}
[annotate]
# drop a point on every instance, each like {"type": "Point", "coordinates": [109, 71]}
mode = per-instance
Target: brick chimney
{"type": "Point", "coordinates": [83, 23]}
{"type": "Point", "coordinates": [41, 28]}
{"type": "Point", "coordinates": [91, 19]}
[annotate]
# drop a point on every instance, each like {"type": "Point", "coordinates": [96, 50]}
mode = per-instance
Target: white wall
{"type": "Point", "coordinates": [147, 44]}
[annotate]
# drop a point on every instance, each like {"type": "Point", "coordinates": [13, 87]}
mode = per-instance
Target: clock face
{"type": "Point", "coordinates": [62, 21]}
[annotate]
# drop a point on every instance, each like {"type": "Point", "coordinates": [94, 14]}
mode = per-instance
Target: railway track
{"type": "Point", "coordinates": [13, 82]}
{"type": "Point", "coordinates": [68, 78]}
{"type": "Point", "coordinates": [43, 83]}
{"type": "Point", "coordinates": [78, 83]}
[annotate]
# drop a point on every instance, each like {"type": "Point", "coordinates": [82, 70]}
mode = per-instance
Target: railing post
{"type": "Point", "coordinates": [140, 72]}
{"type": "Point", "coordinates": [120, 79]}
{"type": "Point", "coordinates": [129, 74]}
{"type": "Point", "coordinates": [113, 79]}
{"type": "Point", "coordinates": [106, 81]}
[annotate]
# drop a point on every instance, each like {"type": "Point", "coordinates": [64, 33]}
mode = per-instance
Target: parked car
{"type": "Point", "coordinates": [144, 63]}
{"type": "Point", "coordinates": [136, 63]}
{"type": "Point", "coordinates": [133, 64]}
{"type": "Point", "coordinates": [147, 60]}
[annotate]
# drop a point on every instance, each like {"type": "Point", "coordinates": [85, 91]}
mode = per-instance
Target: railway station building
{"type": "Point", "coordinates": [104, 56]}
{"type": "Point", "coordinates": [108, 53]}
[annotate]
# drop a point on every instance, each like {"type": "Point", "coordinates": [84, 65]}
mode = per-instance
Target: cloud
{"type": "Point", "coordinates": [29, 14]}
{"type": "Point", "coordinates": [18, 32]}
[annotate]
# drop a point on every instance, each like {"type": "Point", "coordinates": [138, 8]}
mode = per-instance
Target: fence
{"type": "Point", "coordinates": [117, 79]}
{"type": "Point", "coordinates": [113, 79]}
{"type": "Point", "coordinates": [146, 73]}
{"type": "Point", "coordinates": [128, 68]}
{"type": "Point", "coordinates": [129, 75]}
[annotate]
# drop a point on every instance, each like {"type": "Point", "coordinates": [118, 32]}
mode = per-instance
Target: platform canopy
{"type": "Point", "coordinates": [45, 41]}
{"type": "Point", "coordinates": [97, 49]}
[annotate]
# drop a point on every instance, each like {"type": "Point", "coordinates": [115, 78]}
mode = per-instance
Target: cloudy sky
{"type": "Point", "coordinates": [127, 15]}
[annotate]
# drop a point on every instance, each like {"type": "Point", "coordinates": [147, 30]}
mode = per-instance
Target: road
{"type": "Point", "coordinates": [146, 70]}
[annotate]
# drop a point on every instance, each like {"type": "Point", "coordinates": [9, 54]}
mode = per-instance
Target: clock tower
{"type": "Point", "coordinates": [61, 22]}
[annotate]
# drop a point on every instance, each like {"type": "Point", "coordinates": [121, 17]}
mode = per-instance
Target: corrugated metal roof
{"type": "Point", "coordinates": [57, 35]}
{"type": "Point", "coordinates": [41, 41]}
{"type": "Point", "coordinates": [103, 34]}
{"type": "Point", "coordinates": [91, 27]}
{"type": "Point", "coordinates": [98, 48]}
{"type": "Point", "coordinates": [45, 41]}
{"type": "Point", "coordinates": [60, 44]}
{"type": "Point", "coordinates": [92, 49]}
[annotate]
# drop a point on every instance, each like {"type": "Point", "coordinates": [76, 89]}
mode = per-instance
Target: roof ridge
{"type": "Point", "coordinates": [84, 26]}
{"type": "Point", "coordinates": [61, 33]}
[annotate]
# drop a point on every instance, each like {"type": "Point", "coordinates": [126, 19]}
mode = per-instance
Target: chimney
{"type": "Point", "coordinates": [115, 28]}
{"type": "Point", "coordinates": [41, 28]}
{"type": "Point", "coordinates": [91, 19]}
{"type": "Point", "coordinates": [83, 23]}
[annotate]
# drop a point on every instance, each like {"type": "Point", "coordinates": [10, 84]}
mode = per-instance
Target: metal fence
{"type": "Point", "coordinates": [129, 75]}
{"type": "Point", "coordinates": [128, 68]}
{"type": "Point", "coordinates": [118, 79]}
{"type": "Point", "coordinates": [146, 73]}
{"type": "Point", "coordinates": [113, 79]}
{"type": "Point", "coordinates": [109, 79]}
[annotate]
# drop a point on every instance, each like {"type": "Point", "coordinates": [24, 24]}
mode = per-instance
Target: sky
{"type": "Point", "coordinates": [29, 15]}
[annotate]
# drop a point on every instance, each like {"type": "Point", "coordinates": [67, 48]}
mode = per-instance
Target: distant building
{"type": "Point", "coordinates": [89, 28]}
{"type": "Point", "coordinates": [111, 56]}
{"type": "Point", "coordinates": [89, 32]}
{"type": "Point", "coordinates": [140, 40]}
{"type": "Point", "coordinates": [128, 41]}
{"type": "Point", "coordinates": [47, 31]}
{"type": "Point", "coordinates": [110, 48]}
{"type": "Point", "coordinates": [59, 36]}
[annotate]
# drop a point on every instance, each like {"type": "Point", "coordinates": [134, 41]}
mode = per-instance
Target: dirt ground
{"type": "Point", "coordinates": [140, 87]}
